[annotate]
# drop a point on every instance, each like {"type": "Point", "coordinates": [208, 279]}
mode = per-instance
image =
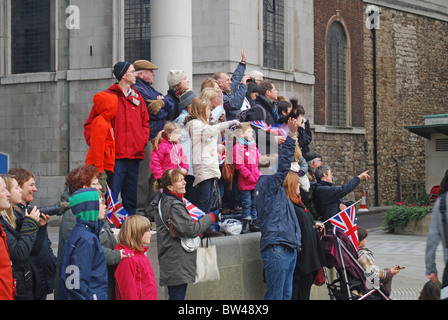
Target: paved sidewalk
{"type": "Point", "coordinates": [407, 251]}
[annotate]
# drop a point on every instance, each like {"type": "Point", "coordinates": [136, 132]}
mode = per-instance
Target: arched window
{"type": "Point", "coordinates": [337, 76]}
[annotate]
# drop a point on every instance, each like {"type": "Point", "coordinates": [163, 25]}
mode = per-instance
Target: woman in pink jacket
{"type": "Point", "coordinates": [134, 276]}
{"type": "Point", "coordinates": [167, 152]}
{"type": "Point", "coordinates": [245, 160]}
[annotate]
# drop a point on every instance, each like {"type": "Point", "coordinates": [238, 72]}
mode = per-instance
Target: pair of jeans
{"type": "Point", "coordinates": [124, 181]}
{"type": "Point", "coordinates": [248, 205]}
{"type": "Point", "coordinates": [279, 262]}
{"type": "Point", "coordinates": [177, 292]}
{"type": "Point", "coordinates": [203, 195]}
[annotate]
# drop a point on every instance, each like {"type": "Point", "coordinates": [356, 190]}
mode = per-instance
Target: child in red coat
{"type": "Point", "coordinates": [102, 141]}
{"type": "Point", "coordinates": [134, 276]}
{"type": "Point", "coordinates": [245, 161]}
{"type": "Point", "coordinates": [167, 153]}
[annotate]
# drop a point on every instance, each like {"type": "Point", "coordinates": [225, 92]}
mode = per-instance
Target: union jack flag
{"type": "Point", "coordinates": [222, 158]}
{"type": "Point", "coordinates": [194, 211]}
{"type": "Point", "coordinates": [116, 213]}
{"type": "Point", "coordinates": [346, 221]}
{"type": "Point", "coordinates": [276, 129]}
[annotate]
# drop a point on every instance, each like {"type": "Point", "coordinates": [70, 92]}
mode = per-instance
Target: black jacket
{"type": "Point", "coordinates": [327, 197]}
{"type": "Point", "coordinates": [23, 242]}
{"type": "Point", "coordinates": [265, 110]}
{"type": "Point", "coordinates": [44, 260]}
{"type": "Point", "coordinates": [311, 256]}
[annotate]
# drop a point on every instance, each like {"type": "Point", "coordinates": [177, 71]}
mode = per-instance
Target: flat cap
{"type": "Point", "coordinates": [144, 65]}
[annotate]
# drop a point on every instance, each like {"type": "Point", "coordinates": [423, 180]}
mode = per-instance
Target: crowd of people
{"type": "Point", "coordinates": [154, 151]}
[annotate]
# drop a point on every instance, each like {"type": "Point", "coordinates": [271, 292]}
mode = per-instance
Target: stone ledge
{"type": "Point", "coordinates": [241, 271]}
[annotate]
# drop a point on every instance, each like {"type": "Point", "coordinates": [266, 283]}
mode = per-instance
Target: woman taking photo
{"type": "Point", "coordinates": [24, 236]}
{"type": "Point", "coordinates": [177, 266]}
{"type": "Point", "coordinates": [310, 257]}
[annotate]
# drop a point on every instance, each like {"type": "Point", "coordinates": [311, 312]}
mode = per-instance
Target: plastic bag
{"type": "Point", "coordinates": [231, 227]}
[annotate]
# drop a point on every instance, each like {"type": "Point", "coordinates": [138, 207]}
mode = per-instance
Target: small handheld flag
{"type": "Point", "coordinates": [346, 221]}
{"type": "Point", "coordinates": [276, 129]}
{"type": "Point", "coordinates": [116, 213]}
{"type": "Point", "coordinates": [194, 211]}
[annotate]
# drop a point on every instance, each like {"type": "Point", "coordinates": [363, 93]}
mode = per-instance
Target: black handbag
{"type": "Point", "coordinates": [216, 202]}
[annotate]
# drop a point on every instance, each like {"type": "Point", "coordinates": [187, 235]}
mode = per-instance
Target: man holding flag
{"type": "Point", "coordinates": [328, 197]}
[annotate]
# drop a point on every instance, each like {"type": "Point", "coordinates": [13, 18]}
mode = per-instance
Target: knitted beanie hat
{"type": "Point", "coordinates": [175, 76]}
{"type": "Point", "coordinates": [85, 204]}
{"type": "Point", "coordinates": [186, 99]}
{"type": "Point", "coordinates": [120, 68]}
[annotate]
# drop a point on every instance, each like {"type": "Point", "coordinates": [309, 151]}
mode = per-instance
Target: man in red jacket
{"type": "Point", "coordinates": [6, 280]}
{"type": "Point", "coordinates": [131, 131]}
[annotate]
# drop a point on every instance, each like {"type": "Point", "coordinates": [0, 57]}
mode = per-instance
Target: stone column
{"type": "Point", "coordinates": [171, 39]}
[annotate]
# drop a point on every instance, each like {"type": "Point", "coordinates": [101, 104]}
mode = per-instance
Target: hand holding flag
{"type": "Point", "coordinates": [194, 211]}
{"type": "Point", "coordinates": [116, 213]}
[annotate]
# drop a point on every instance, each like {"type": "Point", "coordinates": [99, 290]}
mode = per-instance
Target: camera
{"type": "Point", "coordinates": [54, 210]}
{"type": "Point", "coordinates": [252, 79]}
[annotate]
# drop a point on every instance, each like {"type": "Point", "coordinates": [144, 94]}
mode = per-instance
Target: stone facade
{"type": "Point", "coordinates": [42, 114]}
{"type": "Point", "coordinates": [341, 147]}
{"type": "Point", "coordinates": [411, 82]}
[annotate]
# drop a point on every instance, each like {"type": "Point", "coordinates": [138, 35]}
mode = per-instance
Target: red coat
{"type": "Point", "coordinates": [131, 125]}
{"type": "Point", "coordinates": [102, 142]}
{"type": "Point", "coordinates": [134, 277]}
{"type": "Point", "coordinates": [167, 156]}
{"type": "Point", "coordinates": [6, 280]}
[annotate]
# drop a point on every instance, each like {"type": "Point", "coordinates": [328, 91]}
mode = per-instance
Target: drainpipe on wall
{"type": "Point", "coordinates": [375, 125]}
{"type": "Point", "coordinates": [68, 96]}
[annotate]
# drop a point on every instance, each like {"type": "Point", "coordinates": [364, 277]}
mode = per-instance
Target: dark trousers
{"type": "Point", "coordinates": [177, 292]}
{"type": "Point", "coordinates": [203, 195]}
{"type": "Point", "coordinates": [124, 181]}
{"type": "Point", "coordinates": [301, 285]}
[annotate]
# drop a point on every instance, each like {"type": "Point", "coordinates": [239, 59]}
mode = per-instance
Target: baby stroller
{"type": "Point", "coordinates": [351, 283]}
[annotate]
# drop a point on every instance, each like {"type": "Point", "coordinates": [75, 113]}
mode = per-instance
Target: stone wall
{"type": "Point", "coordinates": [345, 154]}
{"type": "Point", "coordinates": [241, 272]}
{"type": "Point", "coordinates": [341, 148]}
{"type": "Point", "coordinates": [412, 82]}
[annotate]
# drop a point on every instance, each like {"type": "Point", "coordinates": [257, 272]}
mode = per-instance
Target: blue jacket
{"type": "Point", "coordinates": [278, 220]}
{"type": "Point", "coordinates": [157, 121]}
{"type": "Point", "coordinates": [234, 101]}
{"type": "Point", "coordinates": [83, 252]}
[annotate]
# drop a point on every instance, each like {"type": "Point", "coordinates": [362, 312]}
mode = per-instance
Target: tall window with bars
{"type": "Point", "coordinates": [273, 34]}
{"type": "Point", "coordinates": [337, 76]}
{"type": "Point", "coordinates": [30, 36]}
{"type": "Point", "coordinates": [137, 30]}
